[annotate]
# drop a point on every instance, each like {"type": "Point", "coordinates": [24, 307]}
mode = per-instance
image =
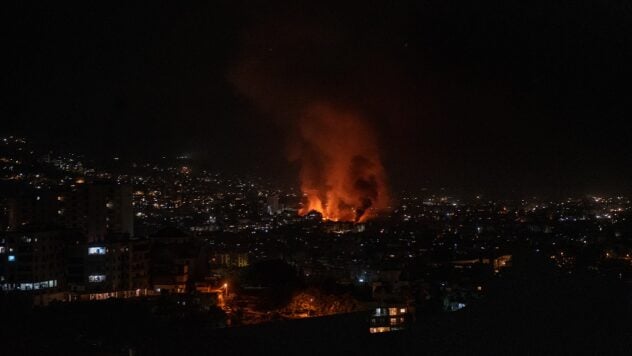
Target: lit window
{"type": "Point", "coordinates": [379, 330]}
{"type": "Point", "coordinates": [392, 311]}
{"type": "Point", "coordinates": [96, 278]}
{"type": "Point", "coordinates": [2, 249]}
{"type": "Point", "coordinates": [11, 258]}
{"type": "Point", "coordinates": [96, 250]}
{"type": "Point", "coordinates": [402, 310]}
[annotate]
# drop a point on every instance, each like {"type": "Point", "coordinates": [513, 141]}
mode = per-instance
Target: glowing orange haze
{"type": "Point", "coordinates": [341, 176]}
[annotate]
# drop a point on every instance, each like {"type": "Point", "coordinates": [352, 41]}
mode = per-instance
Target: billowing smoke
{"type": "Point", "coordinates": [291, 71]}
{"type": "Point", "coordinates": [341, 173]}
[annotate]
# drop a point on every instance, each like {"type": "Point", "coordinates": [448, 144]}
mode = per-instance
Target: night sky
{"type": "Point", "coordinates": [497, 97]}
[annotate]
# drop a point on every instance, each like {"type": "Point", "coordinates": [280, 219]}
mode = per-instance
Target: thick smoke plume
{"type": "Point", "coordinates": [291, 72]}
{"type": "Point", "coordinates": [341, 173]}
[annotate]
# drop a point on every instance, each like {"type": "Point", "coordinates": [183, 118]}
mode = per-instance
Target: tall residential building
{"type": "Point", "coordinates": [32, 209]}
{"type": "Point", "coordinates": [96, 210]}
{"type": "Point", "coordinates": [115, 266]}
{"type": "Point", "coordinates": [48, 263]}
{"type": "Point", "coordinates": [33, 261]}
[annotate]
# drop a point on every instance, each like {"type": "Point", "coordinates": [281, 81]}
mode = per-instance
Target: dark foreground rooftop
{"type": "Point", "coordinates": [553, 314]}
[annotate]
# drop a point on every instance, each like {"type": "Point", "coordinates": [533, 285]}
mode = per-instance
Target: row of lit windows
{"type": "Point", "coordinates": [389, 311]}
{"type": "Point", "coordinates": [97, 250]}
{"type": "Point", "coordinates": [96, 278]}
{"type": "Point", "coordinates": [379, 330]}
{"type": "Point", "coordinates": [30, 286]}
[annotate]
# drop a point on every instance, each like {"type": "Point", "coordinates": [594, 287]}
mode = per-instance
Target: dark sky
{"type": "Point", "coordinates": [496, 97]}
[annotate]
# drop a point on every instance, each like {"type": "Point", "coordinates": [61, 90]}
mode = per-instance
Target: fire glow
{"type": "Point", "coordinates": [341, 174]}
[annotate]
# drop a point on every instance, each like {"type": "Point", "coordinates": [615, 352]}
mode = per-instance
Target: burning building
{"type": "Point", "coordinates": [321, 103]}
{"type": "Point", "coordinates": [341, 175]}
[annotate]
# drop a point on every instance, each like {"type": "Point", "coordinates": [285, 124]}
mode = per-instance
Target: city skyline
{"type": "Point", "coordinates": [164, 243]}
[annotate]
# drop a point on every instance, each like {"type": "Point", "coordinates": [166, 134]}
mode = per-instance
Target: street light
{"type": "Point", "coordinates": [226, 288]}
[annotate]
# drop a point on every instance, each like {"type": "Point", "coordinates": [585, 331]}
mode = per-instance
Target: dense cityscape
{"type": "Point", "coordinates": [350, 177]}
{"type": "Point", "coordinates": [191, 244]}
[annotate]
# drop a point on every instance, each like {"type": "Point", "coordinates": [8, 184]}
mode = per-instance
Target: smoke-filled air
{"type": "Point", "coordinates": [323, 115]}
{"type": "Point", "coordinates": [341, 173]}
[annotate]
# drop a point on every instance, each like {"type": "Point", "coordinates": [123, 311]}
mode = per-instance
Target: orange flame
{"type": "Point", "coordinates": [341, 176]}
